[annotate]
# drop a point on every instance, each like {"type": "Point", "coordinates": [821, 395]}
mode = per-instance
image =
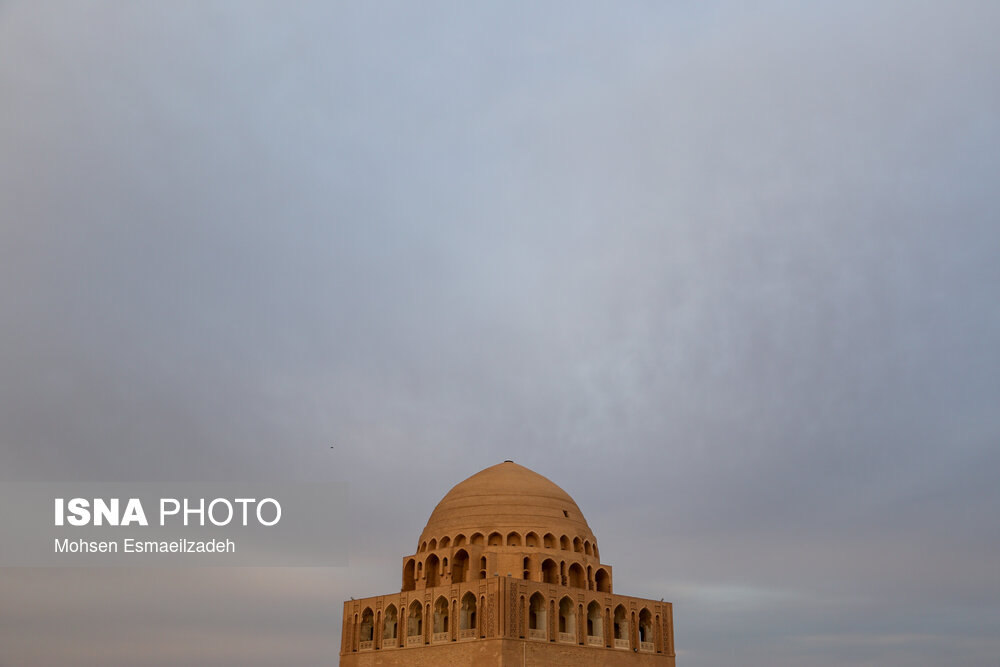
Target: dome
{"type": "Point", "coordinates": [507, 497]}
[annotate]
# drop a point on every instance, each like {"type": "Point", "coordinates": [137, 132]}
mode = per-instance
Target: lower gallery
{"type": "Point", "coordinates": [507, 572]}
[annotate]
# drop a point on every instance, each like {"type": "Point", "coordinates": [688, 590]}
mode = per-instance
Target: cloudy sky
{"type": "Point", "coordinates": [728, 275]}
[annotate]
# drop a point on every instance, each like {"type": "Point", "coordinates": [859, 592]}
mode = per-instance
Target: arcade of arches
{"type": "Point", "coordinates": [505, 572]}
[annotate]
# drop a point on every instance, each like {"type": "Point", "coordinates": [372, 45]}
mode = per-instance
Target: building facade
{"type": "Point", "coordinates": [507, 572]}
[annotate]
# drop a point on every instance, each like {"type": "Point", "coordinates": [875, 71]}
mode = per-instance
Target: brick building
{"type": "Point", "coordinates": [507, 572]}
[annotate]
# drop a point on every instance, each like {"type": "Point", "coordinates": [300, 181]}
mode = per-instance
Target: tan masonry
{"type": "Point", "coordinates": [507, 572]}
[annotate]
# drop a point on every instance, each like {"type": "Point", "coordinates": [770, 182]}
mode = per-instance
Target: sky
{"type": "Point", "coordinates": [727, 274]}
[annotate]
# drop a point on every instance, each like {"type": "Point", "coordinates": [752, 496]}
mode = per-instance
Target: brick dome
{"type": "Point", "coordinates": [503, 498]}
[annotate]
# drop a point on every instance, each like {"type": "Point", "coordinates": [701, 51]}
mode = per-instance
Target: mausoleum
{"type": "Point", "coordinates": [507, 572]}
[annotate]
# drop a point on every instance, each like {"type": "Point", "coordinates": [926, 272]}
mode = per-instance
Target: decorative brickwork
{"type": "Point", "coordinates": [498, 541]}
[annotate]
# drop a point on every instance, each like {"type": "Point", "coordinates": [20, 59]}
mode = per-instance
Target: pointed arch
{"type": "Point", "coordinates": [367, 625]}
{"type": "Point", "coordinates": [495, 540]}
{"type": "Point", "coordinates": [431, 571]}
{"type": "Point", "coordinates": [564, 543]}
{"type": "Point", "coordinates": [595, 623]}
{"type": "Point", "coordinates": [645, 630]}
{"type": "Point", "coordinates": [391, 623]}
{"type": "Point", "coordinates": [549, 541]}
{"type": "Point", "coordinates": [621, 627]}
{"type": "Point", "coordinates": [577, 579]}
{"type": "Point", "coordinates": [537, 619]}
{"type": "Point", "coordinates": [578, 545]}
{"type": "Point", "coordinates": [531, 540]}
{"type": "Point", "coordinates": [567, 617]}
{"type": "Point", "coordinates": [415, 620]}
{"type": "Point", "coordinates": [513, 539]}
{"type": "Point", "coordinates": [602, 580]}
{"type": "Point", "coordinates": [432, 545]}
{"type": "Point", "coordinates": [550, 571]}
{"type": "Point", "coordinates": [586, 548]}
{"type": "Point", "coordinates": [443, 544]}
{"type": "Point", "coordinates": [467, 616]}
{"type": "Point", "coordinates": [441, 615]}
{"type": "Point", "coordinates": [460, 540]}
{"type": "Point", "coordinates": [460, 567]}
{"type": "Point", "coordinates": [409, 574]}
{"type": "Point", "coordinates": [476, 539]}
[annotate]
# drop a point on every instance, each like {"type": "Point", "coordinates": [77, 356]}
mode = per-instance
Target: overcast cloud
{"type": "Point", "coordinates": [728, 275]}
